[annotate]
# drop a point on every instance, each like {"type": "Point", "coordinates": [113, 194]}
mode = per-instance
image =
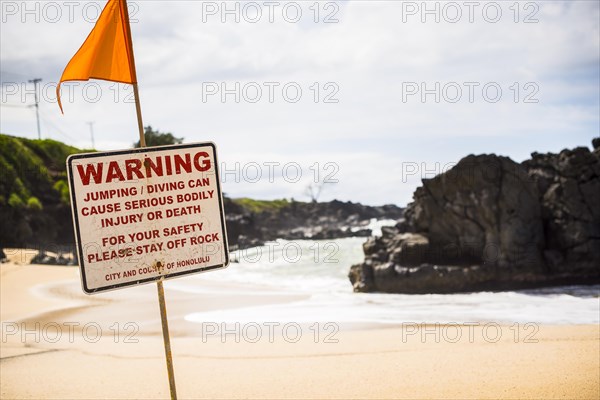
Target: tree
{"type": "Point", "coordinates": [313, 190]}
{"type": "Point", "coordinates": [156, 138]}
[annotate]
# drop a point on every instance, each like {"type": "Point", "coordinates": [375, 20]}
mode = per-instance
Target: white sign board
{"type": "Point", "coordinates": [147, 214]}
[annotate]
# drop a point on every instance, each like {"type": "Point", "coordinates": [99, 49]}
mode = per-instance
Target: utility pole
{"type": "Point", "coordinates": [91, 124]}
{"type": "Point", "coordinates": [37, 103]}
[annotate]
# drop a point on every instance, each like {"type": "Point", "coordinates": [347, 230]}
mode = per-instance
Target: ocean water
{"type": "Point", "coordinates": [317, 270]}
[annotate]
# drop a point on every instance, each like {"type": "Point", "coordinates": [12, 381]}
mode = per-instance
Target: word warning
{"type": "Point", "coordinates": [147, 214]}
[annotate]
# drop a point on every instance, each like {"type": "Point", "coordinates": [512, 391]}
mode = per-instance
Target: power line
{"type": "Point", "coordinates": [11, 78]}
{"type": "Point", "coordinates": [47, 120]}
{"type": "Point", "coordinates": [5, 72]}
{"type": "Point", "coordinates": [41, 115]}
{"type": "Point", "coordinates": [17, 105]}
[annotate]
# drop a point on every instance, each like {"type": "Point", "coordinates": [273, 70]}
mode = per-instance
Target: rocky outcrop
{"type": "Point", "coordinates": [299, 220]}
{"type": "Point", "coordinates": [60, 259]}
{"type": "Point", "coordinates": [569, 187]}
{"type": "Point", "coordinates": [492, 224]}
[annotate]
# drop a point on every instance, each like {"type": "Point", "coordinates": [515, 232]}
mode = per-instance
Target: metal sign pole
{"type": "Point", "coordinates": [166, 339]}
{"type": "Point", "coordinates": [159, 284]}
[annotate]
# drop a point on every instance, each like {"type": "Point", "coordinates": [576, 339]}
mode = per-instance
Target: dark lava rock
{"type": "Point", "coordinates": [45, 259]}
{"type": "Point", "coordinates": [298, 220]}
{"type": "Point", "coordinates": [569, 187]}
{"type": "Point", "coordinates": [492, 224]}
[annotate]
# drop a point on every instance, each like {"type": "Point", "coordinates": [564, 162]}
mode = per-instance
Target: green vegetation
{"type": "Point", "coordinates": [33, 171]}
{"type": "Point", "coordinates": [52, 152]}
{"type": "Point", "coordinates": [156, 138]}
{"type": "Point", "coordinates": [258, 206]}
{"type": "Point", "coordinates": [15, 201]}
{"type": "Point", "coordinates": [62, 187]}
{"type": "Point", "coordinates": [33, 178]}
{"type": "Point", "coordinates": [34, 204]}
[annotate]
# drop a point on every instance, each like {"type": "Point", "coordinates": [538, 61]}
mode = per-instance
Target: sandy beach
{"type": "Point", "coordinates": [59, 343]}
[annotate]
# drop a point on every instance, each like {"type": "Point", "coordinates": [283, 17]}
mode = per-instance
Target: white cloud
{"type": "Point", "coordinates": [370, 56]}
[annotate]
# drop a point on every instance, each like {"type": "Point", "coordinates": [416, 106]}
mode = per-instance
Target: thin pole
{"type": "Point", "coordinates": [159, 285]}
{"type": "Point", "coordinates": [37, 104]}
{"type": "Point", "coordinates": [91, 124]}
{"type": "Point", "coordinates": [138, 110]}
{"type": "Point", "coordinates": [167, 341]}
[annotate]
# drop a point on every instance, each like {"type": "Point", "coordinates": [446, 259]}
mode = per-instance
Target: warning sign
{"type": "Point", "coordinates": [147, 214]}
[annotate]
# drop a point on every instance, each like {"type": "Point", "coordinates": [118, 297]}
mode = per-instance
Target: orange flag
{"type": "Point", "coordinates": [107, 53]}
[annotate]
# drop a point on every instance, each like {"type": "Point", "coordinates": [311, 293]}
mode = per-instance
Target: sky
{"type": "Point", "coordinates": [367, 96]}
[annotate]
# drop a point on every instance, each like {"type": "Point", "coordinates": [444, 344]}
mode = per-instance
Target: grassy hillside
{"type": "Point", "coordinates": [33, 179]}
{"type": "Point", "coordinates": [33, 171]}
{"type": "Point", "coordinates": [258, 206]}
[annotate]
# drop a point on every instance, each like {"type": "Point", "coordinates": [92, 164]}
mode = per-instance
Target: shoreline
{"type": "Point", "coordinates": [110, 346]}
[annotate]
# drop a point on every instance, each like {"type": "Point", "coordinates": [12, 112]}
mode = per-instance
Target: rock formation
{"type": "Point", "coordinates": [492, 224]}
{"type": "Point", "coordinates": [299, 220]}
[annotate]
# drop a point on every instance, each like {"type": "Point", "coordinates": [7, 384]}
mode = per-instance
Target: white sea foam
{"type": "Point", "coordinates": [320, 268]}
